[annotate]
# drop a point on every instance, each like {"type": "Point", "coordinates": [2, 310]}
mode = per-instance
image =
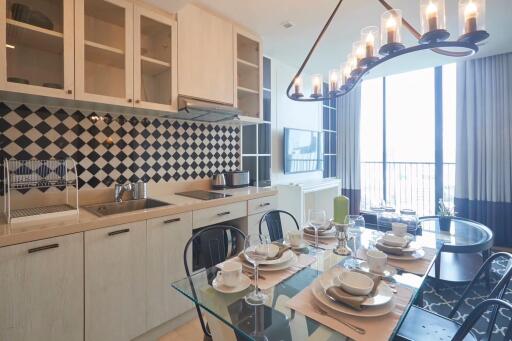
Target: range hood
{"type": "Point", "coordinates": [201, 110]}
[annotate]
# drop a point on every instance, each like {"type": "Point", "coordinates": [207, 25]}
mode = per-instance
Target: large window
{"type": "Point", "coordinates": [402, 161]}
{"type": "Point", "coordinates": [330, 135]}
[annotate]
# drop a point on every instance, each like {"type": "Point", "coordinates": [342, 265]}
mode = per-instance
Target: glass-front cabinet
{"type": "Point", "coordinates": [104, 51]}
{"type": "Point", "coordinates": [155, 60]}
{"type": "Point", "coordinates": [36, 47]}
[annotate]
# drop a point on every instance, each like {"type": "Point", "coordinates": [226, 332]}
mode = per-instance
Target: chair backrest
{"type": "Point", "coordinates": [215, 247]}
{"type": "Point", "coordinates": [274, 223]}
{"type": "Point", "coordinates": [479, 310]}
{"type": "Point", "coordinates": [499, 288]}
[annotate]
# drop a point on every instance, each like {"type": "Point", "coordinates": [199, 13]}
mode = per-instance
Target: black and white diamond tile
{"type": "Point", "coordinates": [109, 148]}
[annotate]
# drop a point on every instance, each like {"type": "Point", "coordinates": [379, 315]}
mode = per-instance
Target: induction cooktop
{"type": "Point", "coordinates": [203, 195]}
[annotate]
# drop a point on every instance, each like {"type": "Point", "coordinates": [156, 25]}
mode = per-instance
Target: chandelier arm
{"type": "Point", "coordinates": [417, 35]}
{"type": "Point", "coordinates": [308, 56]}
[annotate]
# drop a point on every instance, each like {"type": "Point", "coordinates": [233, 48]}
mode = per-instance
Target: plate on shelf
{"type": "Point", "coordinates": [245, 282]}
{"type": "Point", "coordinates": [330, 278]}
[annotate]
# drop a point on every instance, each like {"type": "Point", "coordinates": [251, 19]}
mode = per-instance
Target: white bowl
{"type": "Point", "coordinates": [356, 283]}
{"type": "Point", "coordinates": [392, 240]}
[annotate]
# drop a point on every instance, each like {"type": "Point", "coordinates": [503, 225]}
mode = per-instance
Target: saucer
{"type": "Point", "coordinates": [388, 271]}
{"type": "Point", "coordinates": [245, 282]}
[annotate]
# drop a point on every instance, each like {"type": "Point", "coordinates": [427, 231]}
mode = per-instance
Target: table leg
{"type": "Point", "coordinates": [437, 268]}
{"type": "Point", "coordinates": [486, 254]}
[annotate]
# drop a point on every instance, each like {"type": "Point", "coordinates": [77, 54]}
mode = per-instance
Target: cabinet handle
{"type": "Point", "coordinates": [42, 248]}
{"type": "Point", "coordinates": [137, 101]}
{"type": "Point", "coordinates": [113, 233]}
{"type": "Point", "coordinates": [265, 204]}
{"type": "Point", "coordinates": [129, 100]}
{"type": "Point", "coordinates": [70, 92]}
{"type": "Point", "coordinates": [223, 213]}
{"type": "Point", "coordinates": [170, 221]}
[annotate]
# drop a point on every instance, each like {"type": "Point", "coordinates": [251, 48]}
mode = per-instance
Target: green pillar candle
{"type": "Point", "coordinates": [341, 205]}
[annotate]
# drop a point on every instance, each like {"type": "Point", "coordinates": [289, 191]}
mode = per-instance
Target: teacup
{"type": "Point", "coordinates": [376, 261]}
{"type": "Point", "coordinates": [230, 274]}
{"type": "Point", "coordinates": [295, 238]}
{"type": "Point", "coordinates": [399, 229]}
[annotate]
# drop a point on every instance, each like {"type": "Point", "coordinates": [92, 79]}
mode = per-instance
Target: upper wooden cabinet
{"type": "Point", "coordinates": [155, 60]}
{"type": "Point", "coordinates": [104, 51]}
{"type": "Point", "coordinates": [249, 74]}
{"type": "Point", "coordinates": [205, 58]}
{"type": "Point", "coordinates": [36, 47]}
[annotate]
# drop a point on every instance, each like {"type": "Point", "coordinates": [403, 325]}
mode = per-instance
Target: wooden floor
{"type": "Point", "coordinates": [190, 332]}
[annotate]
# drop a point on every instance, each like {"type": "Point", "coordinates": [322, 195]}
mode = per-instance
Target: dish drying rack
{"type": "Point", "coordinates": [25, 175]}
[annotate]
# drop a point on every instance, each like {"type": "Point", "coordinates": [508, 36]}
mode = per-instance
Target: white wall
{"type": "Point", "coordinates": [289, 114]}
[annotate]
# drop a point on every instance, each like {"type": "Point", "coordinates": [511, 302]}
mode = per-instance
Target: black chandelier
{"type": "Point", "coordinates": [364, 55]}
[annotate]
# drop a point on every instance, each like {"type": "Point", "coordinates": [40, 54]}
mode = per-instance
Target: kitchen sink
{"type": "Point", "coordinates": [124, 206]}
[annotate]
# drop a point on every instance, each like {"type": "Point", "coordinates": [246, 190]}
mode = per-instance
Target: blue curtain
{"type": "Point", "coordinates": [483, 183]}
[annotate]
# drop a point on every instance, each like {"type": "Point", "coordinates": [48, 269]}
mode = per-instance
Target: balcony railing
{"type": "Point", "coordinates": [408, 185]}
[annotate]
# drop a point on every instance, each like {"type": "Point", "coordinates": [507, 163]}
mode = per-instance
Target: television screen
{"type": "Point", "coordinates": [302, 151]}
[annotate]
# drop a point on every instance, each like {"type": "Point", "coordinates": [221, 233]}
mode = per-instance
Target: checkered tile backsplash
{"type": "Point", "coordinates": [110, 148]}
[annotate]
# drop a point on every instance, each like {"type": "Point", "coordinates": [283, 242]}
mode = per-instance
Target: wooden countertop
{"type": "Point", "coordinates": [17, 233]}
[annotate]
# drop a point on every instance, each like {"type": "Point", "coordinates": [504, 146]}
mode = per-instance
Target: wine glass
{"type": "Point", "coordinates": [317, 219]}
{"type": "Point", "coordinates": [356, 225]}
{"type": "Point", "coordinates": [256, 249]}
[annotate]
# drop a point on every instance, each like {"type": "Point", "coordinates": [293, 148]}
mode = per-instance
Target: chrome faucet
{"type": "Point", "coordinates": [120, 189]}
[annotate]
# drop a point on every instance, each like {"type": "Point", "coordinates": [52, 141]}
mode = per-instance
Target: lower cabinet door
{"type": "Point", "coordinates": [115, 285]}
{"type": "Point", "coordinates": [41, 288]}
{"type": "Point", "coordinates": [166, 241]}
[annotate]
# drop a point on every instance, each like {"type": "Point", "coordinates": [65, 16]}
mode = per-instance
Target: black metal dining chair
{"type": "Point", "coordinates": [421, 324]}
{"type": "Point", "coordinates": [216, 243]}
{"type": "Point", "coordinates": [274, 223]}
{"type": "Point", "coordinates": [445, 329]}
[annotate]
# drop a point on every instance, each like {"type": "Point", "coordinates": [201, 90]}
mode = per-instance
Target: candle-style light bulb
{"type": "Point", "coordinates": [333, 80]}
{"type": "Point", "coordinates": [297, 84]}
{"type": "Point", "coordinates": [316, 81]}
{"type": "Point", "coordinates": [370, 43]}
{"type": "Point", "coordinates": [470, 14]}
{"type": "Point", "coordinates": [431, 13]}
{"type": "Point", "coordinates": [391, 26]}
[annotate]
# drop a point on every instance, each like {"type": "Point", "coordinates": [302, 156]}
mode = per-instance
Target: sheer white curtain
{"type": "Point", "coordinates": [483, 185]}
{"type": "Point", "coordinates": [349, 116]}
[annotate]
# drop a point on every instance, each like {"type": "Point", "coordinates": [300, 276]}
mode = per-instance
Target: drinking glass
{"type": "Point", "coordinates": [356, 225]}
{"type": "Point", "coordinates": [256, 249]}
{"type": "Point", "coordinates": [317, 219]}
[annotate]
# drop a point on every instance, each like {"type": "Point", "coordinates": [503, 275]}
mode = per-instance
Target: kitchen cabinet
{"type": "Point", "coordinates": [205, 56]}
{"type": "Point", "coordinates": [155, 60]}
{"type": "Point", "coordinates": [115, 285]}
{"type": "Point", "coordinates": [249, 74]}
{"type": "Point", "coordinates": [219, 214]}
{"type": "Point", "coordinates": [166, 239]}
{"type": "Point", "coordinates": [42, 290]}
{"type": "Point", "coordinates": [104, 51]}
{"type": "Point", "coordinates": [37, 52]}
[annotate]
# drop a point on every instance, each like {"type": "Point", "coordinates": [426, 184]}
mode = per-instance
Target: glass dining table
{"type": "Point", "coordinates": [274, 320]}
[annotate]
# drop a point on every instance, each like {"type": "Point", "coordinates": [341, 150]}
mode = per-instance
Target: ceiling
{"type": "Point", "coordinates": [308, 16]}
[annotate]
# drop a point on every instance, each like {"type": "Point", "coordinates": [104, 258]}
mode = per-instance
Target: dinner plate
{"type": "Point", "coordinates": [274, 267]}
{"type": "Point", "coordinates": [302, 245]}
{"type": "Point", "coordinates": [412, 247]}
{"type": "Point", "coordinates": [325, 235]}
{"type": "Point", "coordinates": [333, 307]}
{"type": "Point", "coordinates": [330, 278]}
{"type": "Point", "coordinates": [388, 271]}
{"type": "Point", "coordinates": [418, 254]}
{"type": "Point", "coordinates": [407, 235]}
{"type": "Point", "coordinates": [244, 283]}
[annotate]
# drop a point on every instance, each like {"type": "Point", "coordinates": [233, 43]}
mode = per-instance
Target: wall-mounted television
{"type": "Point", "coordinates": [302, 151]}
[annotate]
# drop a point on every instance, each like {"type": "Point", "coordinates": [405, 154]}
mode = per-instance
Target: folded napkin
{"type": "Point", "coordinates": [405, 245]}
{"type": "Point", "coordinates": [282, 249]}
{"type": "Point", "coordinates": [353, 301]}
{"type": "Point", "coordinates": [392, 250]}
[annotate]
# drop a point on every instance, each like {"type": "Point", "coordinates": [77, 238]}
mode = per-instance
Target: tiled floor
{"type": "Point", "coordinates": [189, 332]}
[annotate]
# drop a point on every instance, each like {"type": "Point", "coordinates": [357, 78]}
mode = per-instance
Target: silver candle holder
{"type": "Point", "coordinates": [342, 248]}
